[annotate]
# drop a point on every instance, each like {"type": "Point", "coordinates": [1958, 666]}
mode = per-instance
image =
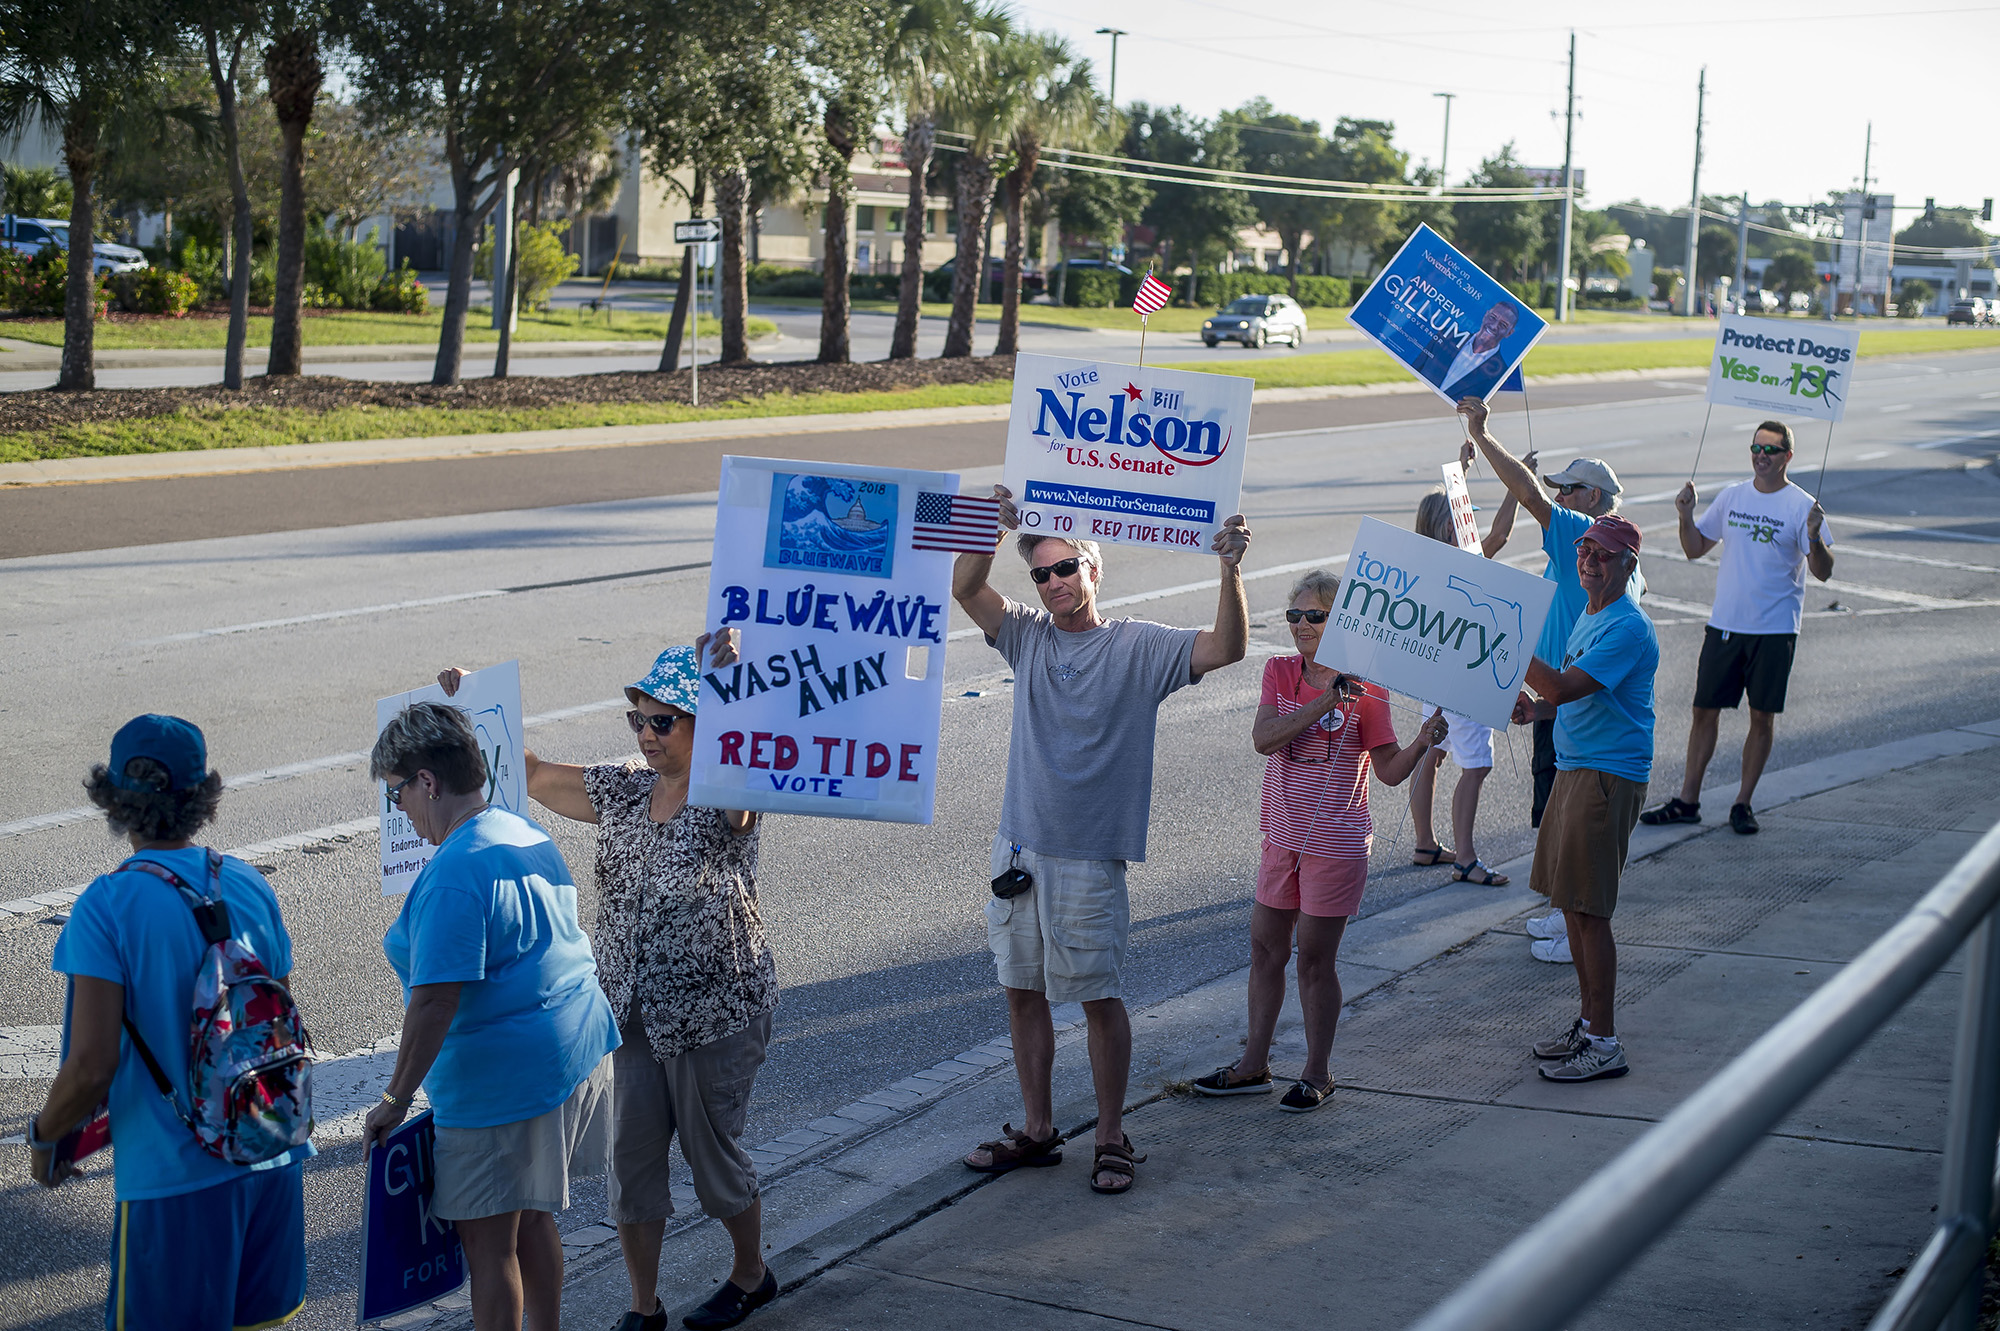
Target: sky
{"type": "Point", "coordinates": [1791, 88]}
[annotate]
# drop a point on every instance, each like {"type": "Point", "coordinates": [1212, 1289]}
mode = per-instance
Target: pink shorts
{"type": "Point", "coordinates": [1319, 885]}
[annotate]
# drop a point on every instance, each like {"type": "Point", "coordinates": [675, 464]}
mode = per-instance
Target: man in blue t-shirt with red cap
{"type": "Point", "coordinates": [1603, 693]}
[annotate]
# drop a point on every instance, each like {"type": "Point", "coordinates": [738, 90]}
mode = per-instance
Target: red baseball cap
{"type": "Point", "coordinates": [1613, 533]}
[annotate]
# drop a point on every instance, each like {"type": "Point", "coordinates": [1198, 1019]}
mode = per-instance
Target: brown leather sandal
{"type": "Point", "coordinates": [1016, 1149]}
{"type": "Point", "coordinates": [1117, 1161]}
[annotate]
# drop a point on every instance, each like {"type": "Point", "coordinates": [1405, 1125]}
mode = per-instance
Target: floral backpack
{"type": "Point", "coordinates": [250, 1062]}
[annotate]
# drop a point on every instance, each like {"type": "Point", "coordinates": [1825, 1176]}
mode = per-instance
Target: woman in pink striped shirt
{"type": "Point", "coordinates": [1320, 733]}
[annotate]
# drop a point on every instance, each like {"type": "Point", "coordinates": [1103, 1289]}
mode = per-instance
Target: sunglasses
{"type": "Point", "coordinates": [662, 722]}
{"type": "Point", "coordinates": [1567, 490]}
{"type": "Point", "coordinates": [1062, 568]}
{"type": "Point", "coordinates": [1308, 616]}
{"type": "Point", "coordinates": [1769, 450]}
{"type": "Point", "coordinates": [395, 792]}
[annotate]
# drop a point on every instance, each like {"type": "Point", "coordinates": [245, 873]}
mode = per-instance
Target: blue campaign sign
{"type": "Point", "coordinates": [1456, 328]}
{"type": "Point", "coordinates": [408, 1256]}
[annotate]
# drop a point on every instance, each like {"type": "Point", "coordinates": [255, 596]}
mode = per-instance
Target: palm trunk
{"type": "Point", "coordinates": [730, 192]}
{"type": "Point", "coordinates": [470, 214]}
{"type": "Point", "coordinates": [239, 193]}
{"type": "Point", "coordinates": [1017, 238]}
{"type": "Point", "coordinates": [836, 300]}
{"type": "Point", "coordinates": [917, 151]}
{"type": "Point", "coordinates": [670, 355]}
{"type": "Point", "coordinates": [79, 363]}
{"type": "Point", "coordinates": [292, 67]}
{"type": "Point", "coordinates": [975, 196]}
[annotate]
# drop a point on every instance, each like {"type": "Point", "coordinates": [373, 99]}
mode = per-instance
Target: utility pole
{"type": "Point", "coordinates": [1569, 191]}
{"type": "Point", "coordinates": [1861, 250]}
{"type": "Point", "coordinates": [1742, 249]}
{"type": "Point", "coordinates": [1694, 203]}
{"type": "Point", "coordinates": [1444, 156]}
{"type": "Point", "coordinates": [1114, 34]}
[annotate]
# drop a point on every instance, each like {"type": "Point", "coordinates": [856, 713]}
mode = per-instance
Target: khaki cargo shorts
{"type": "Point", "coordinates": [1580, 849]}
{"type": "Point", "coordinates": [1065, 936]}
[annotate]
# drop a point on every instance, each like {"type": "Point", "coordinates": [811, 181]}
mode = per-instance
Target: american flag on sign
{"type": "Point", "coordinates": [1152, 295]}
{"type": "Point", "coordinates": [955, 522]}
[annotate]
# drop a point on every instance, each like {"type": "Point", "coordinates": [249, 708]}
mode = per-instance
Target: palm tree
{"type": "Point", "coordinates": [930, 43]}
{"type": "Point", "coordinates": [293, 70]}
{"type": "Point", "coordinates": [982, 109]}
{"type": "Point", "coordinates": [229, 29]}
{"type": "Point", "coordinates": [83, 68]}
{"type": "Point", "coordinates": [1062, 102]}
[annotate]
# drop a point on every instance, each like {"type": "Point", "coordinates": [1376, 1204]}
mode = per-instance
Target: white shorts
{"type": "Point", "coordinates": [1469, 743]}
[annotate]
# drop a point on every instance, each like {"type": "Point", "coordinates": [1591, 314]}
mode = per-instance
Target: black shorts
{"type": "Point", "coordinates": [1735, 663]}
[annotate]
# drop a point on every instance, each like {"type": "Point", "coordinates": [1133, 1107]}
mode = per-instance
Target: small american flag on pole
{"type": "Point", "coordinates": [955, 522]}
{"type": "Point", "coordinates": [1152, 295]}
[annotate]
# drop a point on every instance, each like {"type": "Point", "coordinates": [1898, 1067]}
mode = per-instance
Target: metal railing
{"type": "Point", "coordinates": [1620, 1211]}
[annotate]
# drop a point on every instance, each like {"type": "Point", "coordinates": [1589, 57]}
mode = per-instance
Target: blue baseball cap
{"type": "Point", "coordinates": [675, 680]}
{"type": "Point", "coordinates": [174, 744]}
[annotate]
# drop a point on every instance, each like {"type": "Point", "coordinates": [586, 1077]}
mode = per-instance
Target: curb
{"type": "Point", "coordinates": [362, 452]}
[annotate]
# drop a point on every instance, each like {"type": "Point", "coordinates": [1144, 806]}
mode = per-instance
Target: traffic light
{"type": "Point", "coordinates": [1868, 207]}
{"type": "Point", "coordinates": [1930, 210]}
{"type": "Point", "coordinates": [1986, 213]}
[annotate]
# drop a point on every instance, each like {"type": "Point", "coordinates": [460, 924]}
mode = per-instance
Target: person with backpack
{"type": "Point", "coordinates": [209, 1231]}
{"type": "Point", "coordinates": [505, 1026]}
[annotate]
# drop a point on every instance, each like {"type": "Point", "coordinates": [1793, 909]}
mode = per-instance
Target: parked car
{"type": "Point", "coordinates": [1256, 321]}
{"type": "Point", "coordinates": [1972, 311]}
{"type": "Point", "coordinates": [996, 273]}
{"type": "Point", "coordinates": [30, 235]}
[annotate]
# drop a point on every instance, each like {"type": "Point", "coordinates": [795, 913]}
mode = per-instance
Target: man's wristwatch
{"type": "Point", "coordinates": [35, 1142]}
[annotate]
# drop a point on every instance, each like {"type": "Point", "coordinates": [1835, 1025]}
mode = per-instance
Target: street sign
{"type": "Point", "coordinates": [698, 231]}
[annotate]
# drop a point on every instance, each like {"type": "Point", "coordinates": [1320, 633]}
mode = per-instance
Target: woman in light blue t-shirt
{"type": "Point", "coordinates": [506, 1028]}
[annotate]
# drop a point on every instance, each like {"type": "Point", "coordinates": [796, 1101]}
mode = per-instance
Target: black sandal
{"type": "Point", "coordinates": [1117, 1161]}
{"type": "Point", "coordinates": [1016, 1149]}
{"type": "Point", "coordinates": [1435, 857]}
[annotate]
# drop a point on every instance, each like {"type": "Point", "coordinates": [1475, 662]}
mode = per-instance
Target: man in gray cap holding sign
{"type": "Point", "coordinates": [1584, 491]}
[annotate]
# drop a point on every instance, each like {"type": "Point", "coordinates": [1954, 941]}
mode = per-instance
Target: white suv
{"type": "Point", "coordinates": [1255, 321]}
{"type": "Point", "coordinates": [29, 235]}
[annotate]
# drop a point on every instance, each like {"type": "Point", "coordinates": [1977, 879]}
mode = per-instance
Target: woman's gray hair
{"type": "Point", "coordinates": [434, 737]}
{"type": "Point", "coordinates": [1323, 586]}
{"type": "Point", "coordinates": [1087, 551]}
{"type": "Point", "coordinates": [1434, 518]}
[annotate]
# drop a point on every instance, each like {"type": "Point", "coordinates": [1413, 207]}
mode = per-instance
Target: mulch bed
{"type": "Point", "coordinates": [47, 409]}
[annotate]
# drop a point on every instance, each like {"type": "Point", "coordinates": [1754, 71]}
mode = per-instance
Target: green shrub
{"type": "Point", "coordinates": [343, 271]}
{"type": "Point", "coordinates": [400, 292]}
{"type": "Point", "coordinates": [203, 266]}
{"type": "Point", "coordinates": [1091, 288]}
{"type": "Point", "coordinates": [155, 290]}
{"type": "Point", "coordinates": [34, 284]}
{"type": "Point", "coordinates": [1214, 290]}
{"type": "Point", "coordinates": [543, 263]}
{"type": "Point", "coordinates": [264, 278]}
{"type": "Point", "coordinates": [774, 281]}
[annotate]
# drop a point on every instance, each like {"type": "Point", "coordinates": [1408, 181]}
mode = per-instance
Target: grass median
{"type": "Point", "coordinates": [321, 410]}
{"type": "Point", "coordinates": [207, 331]}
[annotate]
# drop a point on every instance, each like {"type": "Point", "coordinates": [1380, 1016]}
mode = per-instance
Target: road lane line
{"type": "Point", "coordinates": [320, 618]}
{"type": "Point", "coordinates": [1878, 453]}
{"type": "Point", "coordinates": [1849, 550]}
{"type": "Point", "coordinates": [1934, 532]}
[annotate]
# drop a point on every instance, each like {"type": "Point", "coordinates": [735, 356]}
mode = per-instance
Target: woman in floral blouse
{"type": "Point", "coordinates": [681, 954]}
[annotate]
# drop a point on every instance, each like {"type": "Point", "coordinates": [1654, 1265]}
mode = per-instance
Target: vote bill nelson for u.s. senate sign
{"type": "Point", "coordinates": [1101, 451]}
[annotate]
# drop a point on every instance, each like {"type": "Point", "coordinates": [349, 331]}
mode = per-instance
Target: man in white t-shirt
{"type": "Point", "coordinates": [1771, 531]}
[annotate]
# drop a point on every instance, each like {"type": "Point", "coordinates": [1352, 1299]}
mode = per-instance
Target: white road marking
{"type": "Point", "coordinates": [1958, 439]}
{"type": "Point", "coordinates": [1994, 393]}
{"type": "Point", "coordinates": [1899, 406]}
{"type": "Point", "coordinates": [320, 618]}
{"type": "Point", "coordinates": [1878, 453]}
{"type": "Point", "coordinates": [1847, 551]}
{"type": "Point", "coordinates": [1935, 533]}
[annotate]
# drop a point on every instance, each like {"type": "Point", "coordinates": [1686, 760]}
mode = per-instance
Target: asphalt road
{"type": "Point", "coordinates": [279, 633]}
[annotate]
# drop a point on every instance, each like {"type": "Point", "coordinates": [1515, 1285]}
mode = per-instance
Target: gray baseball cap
{"type": "Point", "coordinates": [1586, 471]}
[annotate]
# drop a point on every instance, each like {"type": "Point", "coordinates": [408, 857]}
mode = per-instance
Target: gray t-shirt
{"type": "Point", "coordinates": [1080, 765]}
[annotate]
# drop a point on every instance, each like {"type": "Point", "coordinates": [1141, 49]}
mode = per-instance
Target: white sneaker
{"type": "Point", "coordinates": [1597, 1059]}
{"type": "Point", "coordinates": [1551, 925]}
{"type": "Point", "coordinates": [1555, 951]}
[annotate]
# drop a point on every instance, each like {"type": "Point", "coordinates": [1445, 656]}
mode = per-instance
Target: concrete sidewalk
{"type": "Point", "coordinates": [1441, 1143]}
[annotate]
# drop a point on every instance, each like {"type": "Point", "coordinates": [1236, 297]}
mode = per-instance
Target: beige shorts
{"type": "Point", "coordinates": [1580, 849]}
{"type": "Point", "coordinates": [703, 1097]}
{"type": "Point", "coordinates": [524, 1166]}
{"type": "Point", "coordinates": [1066, 935]}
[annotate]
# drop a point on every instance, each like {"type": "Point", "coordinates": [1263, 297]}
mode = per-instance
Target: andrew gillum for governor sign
{"type": "Point", "coordinates": [1782, 367]}
{"type": "Point", "coordinates": [1435, 622]}
{"type": "Point", "coordinates": [1100, 451]}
